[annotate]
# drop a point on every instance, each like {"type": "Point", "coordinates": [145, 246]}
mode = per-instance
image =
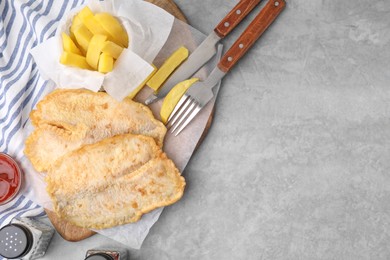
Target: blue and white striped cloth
{"type": "Point", "coordinates": [23, 25]}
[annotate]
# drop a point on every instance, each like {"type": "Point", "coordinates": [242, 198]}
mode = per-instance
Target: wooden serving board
{"type": "Point", "coordinates": [73, 233]}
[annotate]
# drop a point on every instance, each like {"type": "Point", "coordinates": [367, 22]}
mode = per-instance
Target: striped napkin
{"type": "Point", "coordinates": [23, 25]}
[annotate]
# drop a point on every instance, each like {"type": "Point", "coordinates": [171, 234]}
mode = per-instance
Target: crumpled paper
{"type": "Point", "coordinates": [148, 28]}
{"type": "Point", "coordinates": [179, 149]}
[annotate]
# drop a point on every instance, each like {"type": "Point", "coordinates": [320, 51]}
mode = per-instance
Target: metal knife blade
{"type": "Point", "coordinates": [205, 51]}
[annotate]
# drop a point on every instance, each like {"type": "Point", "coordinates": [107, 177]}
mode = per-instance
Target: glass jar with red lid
{"type": "Point", "coordinates": [10, 178]}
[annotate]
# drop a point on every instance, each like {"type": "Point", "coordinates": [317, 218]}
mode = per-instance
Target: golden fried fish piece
{"type": "Point", "coordinates": [48, 143]}
{"type": "Point", "coordinates": [67, 119]}
{"type": "Point", "coordinates": [110, 183]}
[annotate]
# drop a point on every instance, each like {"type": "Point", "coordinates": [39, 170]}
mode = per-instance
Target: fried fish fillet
{"type": "Point", "coordinates": [113, 182]}
{"type": "Point", "coordinates": [67, 119]}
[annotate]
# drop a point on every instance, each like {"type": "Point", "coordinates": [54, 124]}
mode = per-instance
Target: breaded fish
{"type": "Point", "coordinates": [113, 182]}
{"type": "Point", "coordinates": [67, 119]}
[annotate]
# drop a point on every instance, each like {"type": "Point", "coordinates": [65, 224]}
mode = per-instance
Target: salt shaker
{"type": "Point", "coordinates": [25, 238]}
{"type": "Point", "coordinates": [106, 254]}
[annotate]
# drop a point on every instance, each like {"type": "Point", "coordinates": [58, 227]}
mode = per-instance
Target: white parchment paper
{"type": "Point", "coordinates": [148, 27]}
{"type": "Point", "coordinates": [179, 149]}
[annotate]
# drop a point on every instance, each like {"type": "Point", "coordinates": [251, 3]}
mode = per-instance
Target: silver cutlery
{"type": "Point", "coordinates": [207, 49]}
{"type": "Point", "coordinates": [199, 94]}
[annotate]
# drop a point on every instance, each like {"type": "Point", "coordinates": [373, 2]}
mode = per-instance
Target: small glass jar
{"type": "Point", "coordinates": [25, 238]}
{"type": "Point", "coordinates": [10, 178]}
{"type": "Point", "coordinates": [106, 254]}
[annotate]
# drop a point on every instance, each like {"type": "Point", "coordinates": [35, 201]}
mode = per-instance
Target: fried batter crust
{"type": "Point", "coordinates": [67, 119]}
{"type": "Point", "coordinates": [119, 188]}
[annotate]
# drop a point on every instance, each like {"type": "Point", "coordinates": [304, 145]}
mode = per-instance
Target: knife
{"type": "Point", "coordinates": [207, 49]}
{"type": "Point", "coordinates": [201, 92]}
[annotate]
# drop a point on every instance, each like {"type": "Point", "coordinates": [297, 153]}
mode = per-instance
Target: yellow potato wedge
{"type": "Point", "coordinates": [106, 63]}
{"type": "Point", "coordinates": [74, 60]}
{"type": "Point", "coordinates": [88, 19]}
{"type": "Point", "coordinates": [167, 68]}
{"type": "Point", "coordinates": [94, 50]}
{"type": "Point", "coordinates": [85, 12]}
{"type": "Point", "coordinates": [76, 23]}
{"type": "Point", "coordinates": [83, 36]}
{"type": "Point", "coordinates": [112, 49]}
{"type": "Point", "coordinates": [114, 28]}
{"type": "Point", "coordinates": [94, 26]}
{"type": "Point", "coordinates": [91, 35]}
{"type": "Point", "coordinates": [69, 45]}
{"type": "Point", "coordinates": [173, 98]}
{"type": "Point", "coordinates": [138, 89]}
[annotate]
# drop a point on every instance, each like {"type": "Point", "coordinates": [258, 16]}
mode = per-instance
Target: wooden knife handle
{"type": "Point", "coordinates": [255, 29]}
{"type": "Point", "coordinates": [235, 16]}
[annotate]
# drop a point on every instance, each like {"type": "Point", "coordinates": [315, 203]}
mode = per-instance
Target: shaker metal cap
{"type": "Point", "coordinates": [15, 241]}
{"type": "Point", "coordinates": [99, 256]}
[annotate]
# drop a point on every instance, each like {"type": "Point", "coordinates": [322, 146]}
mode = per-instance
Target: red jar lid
{"type": "Point", "coordinates": [10, 178]}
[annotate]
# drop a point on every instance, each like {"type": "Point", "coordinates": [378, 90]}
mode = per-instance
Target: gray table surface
{"type": "Point", "coordinates": [297, 162]}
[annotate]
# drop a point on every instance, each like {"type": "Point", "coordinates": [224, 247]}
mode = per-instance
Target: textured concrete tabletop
{"type": "Point", "coordinates": [297, 162]}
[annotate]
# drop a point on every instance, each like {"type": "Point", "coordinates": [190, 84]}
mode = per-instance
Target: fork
{"type": "Point", "coordinates": [199, 94]}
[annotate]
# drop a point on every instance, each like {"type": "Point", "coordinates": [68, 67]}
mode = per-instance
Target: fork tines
{"type": "Point", "coordinates": [185, 110]}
